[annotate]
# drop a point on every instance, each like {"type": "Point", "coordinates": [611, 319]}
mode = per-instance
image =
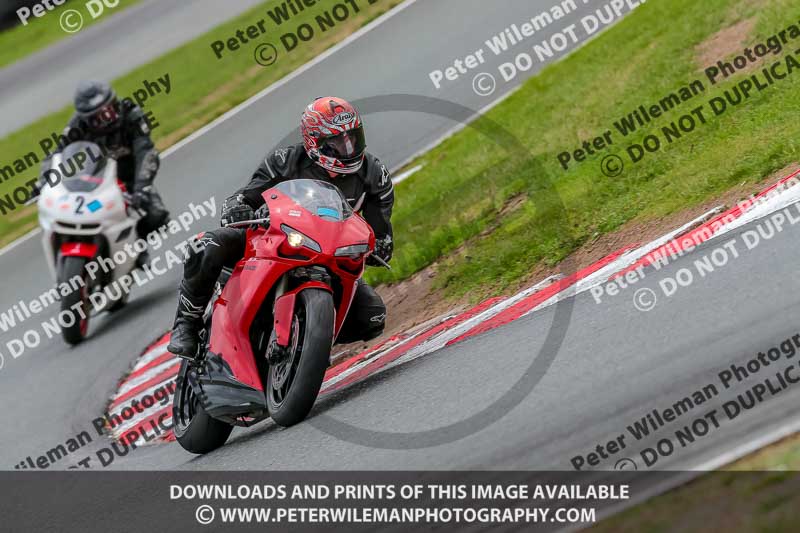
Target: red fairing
{"type": "Point", "coordinates": [78, 249]}
{"type": "Point", "coordinates": [284, 310]}
{"type": "Point", "coordinates": [268, 257]}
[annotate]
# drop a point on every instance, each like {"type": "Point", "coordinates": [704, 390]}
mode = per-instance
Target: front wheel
{"type": "Point", "coordinates": [293, 385]}
{"type": "Point", "coordinates": [76, 303]}
{"type": "Point", "coordinates": [195, 430]}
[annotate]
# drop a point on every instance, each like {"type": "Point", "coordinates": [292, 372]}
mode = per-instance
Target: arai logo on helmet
{"type": "Point", "coordinates": [343, 118]}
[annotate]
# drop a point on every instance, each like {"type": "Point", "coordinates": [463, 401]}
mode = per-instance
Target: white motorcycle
{"type": "Point", "coordinates": [85, 215]}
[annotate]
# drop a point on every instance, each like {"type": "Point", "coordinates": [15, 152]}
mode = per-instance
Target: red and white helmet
{"type": "Point", "coordinates": [333, 135]}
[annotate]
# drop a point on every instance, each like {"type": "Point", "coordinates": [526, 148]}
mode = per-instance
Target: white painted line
{"type": "Point", "coordinates": [440, 339]}
{"type": "Point", "coordinates": [772, 203]}
{"type": "Point", "coordinates": [366, 29]}
{"type": "Point", "coordinates": [699, 470]}
{"type": "Point", "coordinates": [140, 442]}
{"type": "Point", "coordinates": [737, 452]}
{"type": "Point", "coordinates": [250, 101]}
{"type": "Point", "coordinates": [32, 233]}
{"type": "Point", "coordinates": [603, 274]}
{"type": "Point", "coordinates": [437, 342]}
{"type": "Point", "coordinates": [283, 81]}
{"type": "Point", "coordinates": [150, 356]}
{"type": "Point", "coordinates": [147, 392]}
{"type": "Point", "coordinates": [454, 130]}
{"type": "Point", "coordinates": [369, 360]}
{"type": "Point", "coordinates": [491, 105]}
{"type": "Point", "coordinates": [150, 374]}
{"type": "Point", "coordinates": [140, 417]}
{"type": "Point", "coordinates": [407, 174]}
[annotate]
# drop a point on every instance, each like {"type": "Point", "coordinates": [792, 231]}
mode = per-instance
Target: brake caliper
{"type": "Point", "coordinates": [277, 354]}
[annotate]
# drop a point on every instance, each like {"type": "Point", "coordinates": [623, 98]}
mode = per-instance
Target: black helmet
{"type": "Point", "coordinates": [96, 104]}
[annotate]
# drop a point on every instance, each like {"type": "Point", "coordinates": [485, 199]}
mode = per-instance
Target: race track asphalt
{"type": "Point", "coordinates": [614, 365]}
{"type": "Point", "coordinates": [45, 81]}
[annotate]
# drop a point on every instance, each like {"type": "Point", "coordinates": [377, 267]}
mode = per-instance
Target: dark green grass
{"type": "Point", "coordinates": [21, 41]}
{"type": "Point", "coordinates": [203, 88]}
{"type": "Point", "coordinates": [451, 210]}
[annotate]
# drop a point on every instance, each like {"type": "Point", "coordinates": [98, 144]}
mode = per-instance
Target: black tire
{"type": "Point", "coordinates": [290, 402]}
{"type": "Point", "coordinates": [194, 429]}
{"type": "Point", "coordinates": [72, 267]}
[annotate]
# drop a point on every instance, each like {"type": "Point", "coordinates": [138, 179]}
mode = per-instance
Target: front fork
{"type": "Point", "coordinates": [278, 351]}
{"type": "Point", "coordinates": [283, 313]}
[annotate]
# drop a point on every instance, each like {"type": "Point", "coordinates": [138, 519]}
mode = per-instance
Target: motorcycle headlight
{"type": "Point", "coordinates": [354, 250]}
{"type": "Point", "coordinates": [295, 239]}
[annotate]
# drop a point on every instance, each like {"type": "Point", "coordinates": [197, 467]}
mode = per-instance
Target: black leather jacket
{"type": "Point", "coordinates": [370, 188]}
{"type": "Point", "coordinates": [129, 143]}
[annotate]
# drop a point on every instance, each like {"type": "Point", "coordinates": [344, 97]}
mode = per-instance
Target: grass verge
{"type": "Point", "coordinates": [482, 213]}
{"type": "Point", "coordinates": [21, 41]}
{"type": "Point", "coordinates": [203, 88]}
{"type": "Point", "coordinates": [756, 493]}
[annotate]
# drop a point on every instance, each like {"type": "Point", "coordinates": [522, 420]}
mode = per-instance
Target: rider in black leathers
{"type": "Point", "coordinates": [122, 131]}
{"type": "Point", "coordinates": [363, 180]}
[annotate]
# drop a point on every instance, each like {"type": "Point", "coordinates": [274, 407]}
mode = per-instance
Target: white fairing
{"type": "Point", "coordinates": [101, 212]}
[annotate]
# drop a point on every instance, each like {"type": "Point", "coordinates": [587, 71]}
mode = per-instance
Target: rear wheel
{"type": "Point", "coordinates": [293, 385]}
{"type": "Point", "coordinates": [194, 429]}
{"type": "Point", "coordinates": [76, 303]}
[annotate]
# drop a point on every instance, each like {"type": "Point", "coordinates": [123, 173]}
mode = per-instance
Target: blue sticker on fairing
{"type": "Point", "coordinates": [94, 206]}
{"type": "Point", "coordinates": [328, 212]}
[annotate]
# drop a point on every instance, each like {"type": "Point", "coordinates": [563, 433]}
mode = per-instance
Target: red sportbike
{"type": "Point", "coordinates": [271, 324]}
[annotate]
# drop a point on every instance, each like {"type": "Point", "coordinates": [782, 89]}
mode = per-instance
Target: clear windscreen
{"type": "Point", "coordinates": [82, 166]}
{"type": "Point", "coordinates": [320, 198]}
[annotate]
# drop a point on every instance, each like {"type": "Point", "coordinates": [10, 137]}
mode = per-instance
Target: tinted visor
{"type": "Point", "coordinates": [345, 146]}
{"type": "Point", "coordinates": [104, 117]}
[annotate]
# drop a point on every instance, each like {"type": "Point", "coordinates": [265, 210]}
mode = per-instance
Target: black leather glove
{"type": "Point", "coordinates": [235, 209]}
{"type": "Point", "coordinates": [140, 200]}
{"type": "Point", "coordinates": [262, 212]}
{"type": "Point", "coordinates": [384, 248]}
